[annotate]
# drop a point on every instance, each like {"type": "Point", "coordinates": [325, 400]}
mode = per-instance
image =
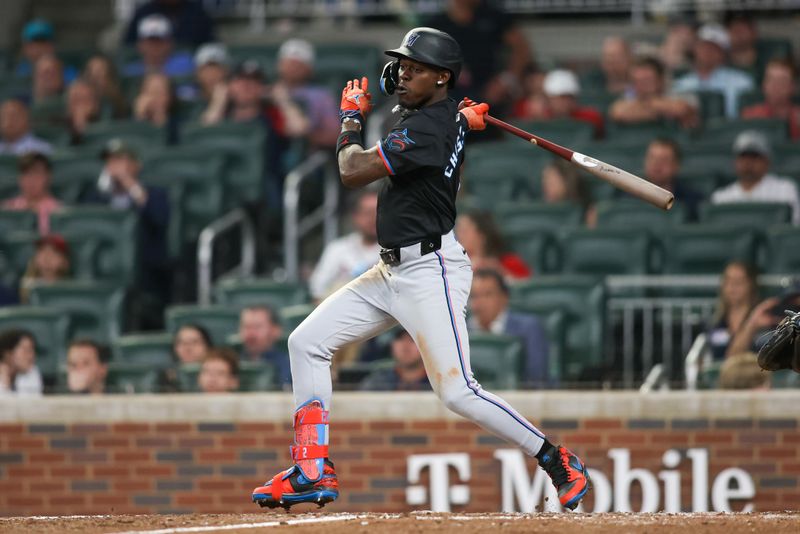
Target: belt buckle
{"type": "Point", "coordinates": [390, 256]}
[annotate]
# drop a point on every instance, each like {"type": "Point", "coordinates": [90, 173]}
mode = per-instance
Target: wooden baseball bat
{"type": "Point", "coordinates": [638, 187]}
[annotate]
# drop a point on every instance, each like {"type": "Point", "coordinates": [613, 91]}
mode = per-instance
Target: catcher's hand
{"type": "Point", "coordinates": [356, 100]}
{"type": "Point", "coordinates": [782, 350]}
{"type": "Point", "coordinates": [474, 113]}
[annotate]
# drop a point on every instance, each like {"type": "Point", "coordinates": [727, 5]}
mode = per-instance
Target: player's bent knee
{"type": "Point", "coordinates": [298, 343]}
{"type": "Point", "coordinates": [454, 398]}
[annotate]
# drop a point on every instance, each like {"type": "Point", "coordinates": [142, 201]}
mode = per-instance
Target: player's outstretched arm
{"type": "Point", "coordinates": [357, 167]}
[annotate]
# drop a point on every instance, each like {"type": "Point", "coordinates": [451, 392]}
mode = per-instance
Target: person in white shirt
{"type": "Point", "coordinates": [349, 256]}
{"type": "Point", "coordinates": [709, 72]}
{"type": "Point", "coordinates": [754, 181]}
{"type": "Point", "coordinates": [16, 137]}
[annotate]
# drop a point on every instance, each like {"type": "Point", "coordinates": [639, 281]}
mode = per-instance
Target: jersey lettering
{"type": "Point", "coordinates": [456, 151]}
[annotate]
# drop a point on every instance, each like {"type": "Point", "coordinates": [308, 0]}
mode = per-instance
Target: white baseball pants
{"type": "Point", "coordinates": [426, 294]}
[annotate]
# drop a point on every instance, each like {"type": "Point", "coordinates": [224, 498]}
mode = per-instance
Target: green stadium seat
{"type": "Point", "coordinates": [16, 250]}
{"type": "Point", "coordinates": [94, 308]}
{"type": "Point", "coordinates": [49, 110]}
{"type": "Point", "coordinates": [566, 132]}
{"type": "Point", "coordinates": [710, 160]}
{"type": "Point", "coordinates": [555, 324]}
{"type": "Point", "coordinates": [722, 132]}
{"type": "Point", "coordinates": [539, 249]}
{"type": "Point", "coordinates": [787, 161]}
{"type": "Point", "coordinates": [292, 316]}
{"type": "Point", "coordinates": [784, 249]}
{"type": "Point", "coordinates": [151, 348]}
{"type": "Point", "coordinates": [265, 54]}
{"type": "Point", "coordinates": [253, 376]}
{"type": "Point", "coordinates": [260, 291]}
{"type": "Point", "coordinates": [48, 326]}
{"type": "Point", "coordinates": [712, 104]}
{"type": "Point", "coordinates": [336, 63]}
{"type": "Point", "coordinates": [702, 182]}
{"type": "Point", "coordinates": [220, 321]}
{"type": "Point", "coordinates": [74, 175]}
{"type": "Point", "coordinates": [536, 215]}
{"type": "Point", "coordinates": [496, 360]}
{"type": "Point", "coordinates": [705, 249]}
{"type": "Point", "coordinates": [608, 251]}
{"type": "Point", "coordinates": [243, 145]}
{"type": "Point", "coordinates": [199, 173]}
{"type": "Point", "coordinates": [582, 299]}
{"type": "Point", "coordinates": [141, 135]}
{"type": "Point", "coordinates": [132, 378]}
{"type": "Point", "coordinates": [629, 213]}
{"type": "Point", "coordinates": [749, 98]}
{"type": "Point", "coordinates": [16, 221]}
{"type": "Point", "coordinates": [598, 99]}
{"type": "Point", "coordinates": [103, 241]}
{"type": "Point", "coordinates": [748, 214]}
{"type": "Point", "coordinates": [54, 134]}
{"type": "Point", "coordinates": [639, 134]}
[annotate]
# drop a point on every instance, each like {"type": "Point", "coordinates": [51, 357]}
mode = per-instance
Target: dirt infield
{"type": "Point", "coordinates": [773, 522]}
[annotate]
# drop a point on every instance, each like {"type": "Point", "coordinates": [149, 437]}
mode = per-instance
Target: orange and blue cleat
{"type": "Point", "coordinates": [568, 474]}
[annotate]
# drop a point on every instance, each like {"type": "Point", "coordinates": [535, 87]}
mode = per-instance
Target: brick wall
{"type": "Point", "coordinates": [208, 464]}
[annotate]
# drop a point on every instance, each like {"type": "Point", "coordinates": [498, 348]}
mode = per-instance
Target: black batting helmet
{"type": "Point", "coordinates": [433, 47]}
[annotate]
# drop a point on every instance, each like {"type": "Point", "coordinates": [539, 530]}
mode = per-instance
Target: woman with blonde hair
{"type": "Point", "coordinates": [738, 295]}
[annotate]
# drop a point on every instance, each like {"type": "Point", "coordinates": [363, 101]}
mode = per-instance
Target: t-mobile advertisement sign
{"type": "Point", "coordinates": [521, 492]}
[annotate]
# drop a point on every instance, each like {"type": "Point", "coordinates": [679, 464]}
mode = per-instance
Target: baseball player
{"type": "Point", "coordinates": [422, 280]}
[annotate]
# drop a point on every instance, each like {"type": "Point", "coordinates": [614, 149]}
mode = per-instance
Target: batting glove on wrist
{"type": "Point", "coordinates": [356, 101]}
{"type": "Point", "coordinates": [474, 113]}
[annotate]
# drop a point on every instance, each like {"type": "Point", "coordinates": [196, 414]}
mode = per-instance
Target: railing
{"type": "Point", "coordinates": [649, 327]}
{"type": "Point", "coordinates": [205, 251]}
{"type": "Point", "coordinates": [294, 228]}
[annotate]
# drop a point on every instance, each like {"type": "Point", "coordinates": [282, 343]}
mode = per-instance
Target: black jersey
{"type": "Point", "coordinates": [423, 155]}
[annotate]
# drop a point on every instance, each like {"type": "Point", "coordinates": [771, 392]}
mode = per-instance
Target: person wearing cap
{"type": "Point", "coordinates": [212, 67]}
{"type": "Point", "coordinates": [407, 372]}
{"type": "Point", "coordinates": [779, 88]}
{"type": "Point", "coordinates": [34, 190]}
{"type": "Point", "coordinates": [50, 263]}
{"type": "Point", "coordinates": [156, 48]}
{"type": "Point", "coordinates": [295, 69]}
{"type": "Point", "coordinates": [754, 181]}
{"type": "Point", "coordinates": [16, 137]}
{"type": "Point", "coordinates": [192, 25]}
{"type": "Point", "coordinates": [561, 90]}
{"type": "Point", "coordinates": [648, 100]}
{"type": "Point", "coordinates": [709, 72]}
{"type": "Point", "coordinates": [120, 187]}
{"type": "Point", "coordinates": [38, 40]}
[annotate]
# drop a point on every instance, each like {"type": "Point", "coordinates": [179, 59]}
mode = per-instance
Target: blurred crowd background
{"type": "Point", "coordinates": [169, 209]}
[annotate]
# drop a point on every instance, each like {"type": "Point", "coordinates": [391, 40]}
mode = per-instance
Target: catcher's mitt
{"type": "Point", "coordinates": [782, 350]}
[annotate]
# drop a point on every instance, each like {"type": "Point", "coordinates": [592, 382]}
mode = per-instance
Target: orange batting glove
{"type": "Point", "coordinates": [355, 100]}
{"type": "Point", "coordinates": [474, 113]}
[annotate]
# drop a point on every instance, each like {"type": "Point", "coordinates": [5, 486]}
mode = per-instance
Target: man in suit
{"type": "Point", "coordinates": [489, 311]}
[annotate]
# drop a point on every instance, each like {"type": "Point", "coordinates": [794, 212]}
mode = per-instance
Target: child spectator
{"type": "Point", "coordinates": [219, 372]}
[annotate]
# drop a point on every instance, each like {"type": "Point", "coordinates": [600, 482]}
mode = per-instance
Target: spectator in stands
{"type": "Point", "coordinates": [102, 73]}
{"type": "Point", "coordinates": [349, 256]}
{"type": "Point", "coordinates": [295, 69]}
{"type": "Point", "coordinates": [738, 295]}
{"type": "Point", "coordinates": [156, 48]}
{"type": "Point", "coordinates": [192, 24]}
{"type": "Point", "coordinates": [488, 306]}
{"type": "Point", "coordinates": [34, 189]}
{"type": "Point", "coordinates": [709, 72]}
{"type": "Point", "coordinates": [156, 103]}
{"type": "Point", "coordinates": [18, 371]}
{"type": "Point", "coordinates": [191, 344]}
{"type": "Point", "coordinates": [211, 71]}
{"type": "Point", "coordinates": [50, 263]}
{"type": "Point", "coordinates": [407, 373]}
{"type": "Point", "coordinates": [561, 90]}
{"type": "Point", "coordinates": [778, 87]}
{"type": "Point", "coordinates": [754, 181]}
{"type": "Point", "coordinates": [120, 187]}
{"type": "Point", "coordinates": [83, 108]}
{"type": "Point", "coordinates": [763, 318]}
{"type": "Point", "coordinates": [48, 81]}
{"type": "Point", "coordinates": [741, 371]}
{"type": "Point", "coordinates": [219, 372]}
{"type": "Point", "coordinates": [259, 330]}
{"type": "Point", "coordinates": [87, 367]}
{"type": "Point", "coordinates": [743, 54]}
{"type": "Point", "coordinates": [662, 164]}
{"type": "Point", "coordinates": [648, 101]}
{"type": "Point", "coordinates": [533, 102]}
{"type": "Point", "coordinates": [479, 235]}
{"type": "Point", "coordinates": [38, 40]}
{"type": "Point", "coordinates": [676, 50]}
{"type": "Point", "coordinates": [16, 137]}
{"type": "Point", "coordinates": [486, 35]}
{"type": "Point", "coordinates": [561, 183]}
{"type": "Point", "coordinates": [615, 62]}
